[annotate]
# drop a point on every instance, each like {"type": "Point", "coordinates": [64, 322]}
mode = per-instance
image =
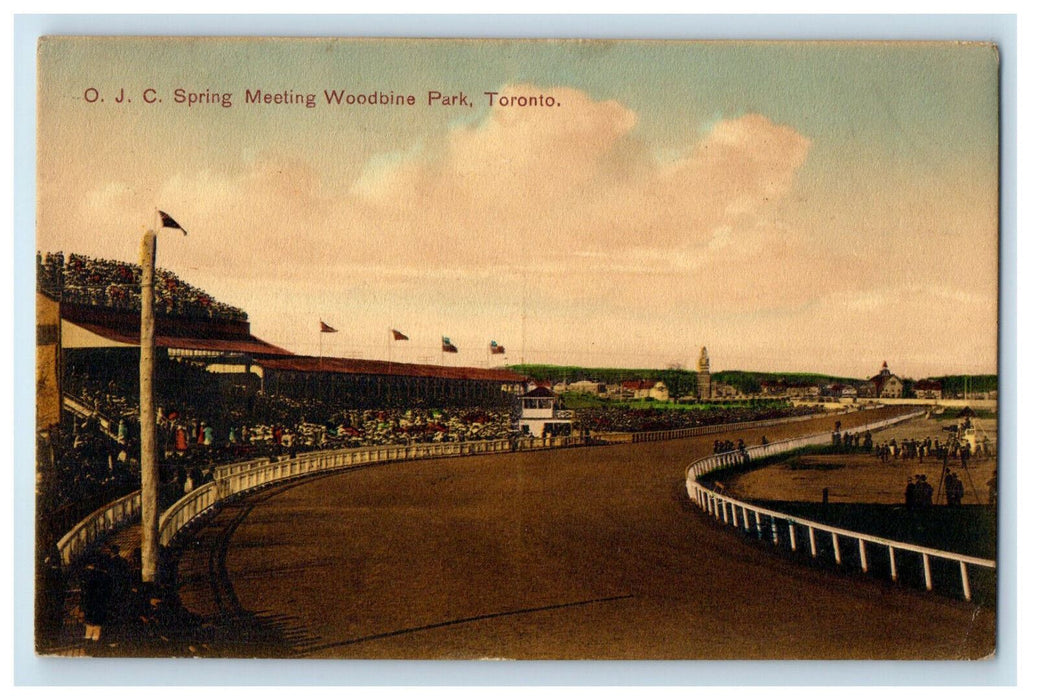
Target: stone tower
{"type": "Point", "coordinates": [703, 375]}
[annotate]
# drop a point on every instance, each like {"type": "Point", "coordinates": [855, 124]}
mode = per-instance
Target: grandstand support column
{"type": "Point", "coordinates": [149, 465]}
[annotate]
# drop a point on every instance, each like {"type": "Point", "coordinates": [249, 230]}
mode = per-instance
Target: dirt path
{"type": "Point", "coordinates": [572, 554]}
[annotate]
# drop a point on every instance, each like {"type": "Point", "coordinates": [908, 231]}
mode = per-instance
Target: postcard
{"type": "Point", "coordinates": [516, 349]}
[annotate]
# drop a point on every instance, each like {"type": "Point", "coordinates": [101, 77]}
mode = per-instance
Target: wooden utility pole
{"type": "Point", "coordinates": [149, 463]}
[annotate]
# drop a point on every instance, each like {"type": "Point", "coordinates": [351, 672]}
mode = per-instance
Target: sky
{"type": "Point", "coordinates": [811, 207]}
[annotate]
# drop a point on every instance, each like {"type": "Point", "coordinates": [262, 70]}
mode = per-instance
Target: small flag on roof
{"type": "Point", "coordinates": [169, 222]}
{"type": "Point", "coordinates": [448, 346]}
{"type": "Point", "coordinates": [325, 328]}
{"type": "Point", "coordinates": [496, 349]}
{"type": "Point", "coordinates": [397, 335]}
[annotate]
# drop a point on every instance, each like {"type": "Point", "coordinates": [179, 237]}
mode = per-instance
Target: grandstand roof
{"type": "Point", "coordinates": [341, 365]}
{"type": "Point", "coordinates": [250, 345]}
{"type": "Point", "coordinates": [106, 327]}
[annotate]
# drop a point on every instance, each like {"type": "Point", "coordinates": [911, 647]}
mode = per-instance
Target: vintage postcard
{"type": "Point", "coordinates": [516, 349]}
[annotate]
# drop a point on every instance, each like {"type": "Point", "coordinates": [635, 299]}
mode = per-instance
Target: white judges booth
{"type": "Point", "coordinates": [541, 415]}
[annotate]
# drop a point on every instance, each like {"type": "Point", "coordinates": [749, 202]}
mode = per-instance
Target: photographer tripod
{"type": "Point", "coordinates": [945, 471]}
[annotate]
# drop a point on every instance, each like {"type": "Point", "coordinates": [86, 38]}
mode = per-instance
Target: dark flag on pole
{"type": "Point", "coordinates": [448, 346]}
{"type": "Point", "coordinates": [325, 328]}
{"type": "Point", "coordinates": [397, 335]}
{"type": "Point", "coordinates": [169, 222]}
{"type": "Point", "coordinates": [496, 349]}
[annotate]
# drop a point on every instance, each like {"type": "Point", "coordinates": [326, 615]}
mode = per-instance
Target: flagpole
{"type": "Point", "coordinates": [320, 349]}
{"type": "Point", "coordinates": [522, 347]}
{"type": "Point", "coordinates": [389, 345]}
{"type": "Point", "coordinates": [149, 466]}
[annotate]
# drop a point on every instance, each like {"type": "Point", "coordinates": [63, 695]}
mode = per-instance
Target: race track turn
{"type": "Point", "coordinates": [585, 553]}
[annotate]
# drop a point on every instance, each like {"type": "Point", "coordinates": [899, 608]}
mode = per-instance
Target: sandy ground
{"type": "Point", "coordinates": [864, 478]}
{"type": "Point", "coordinates": [587, 553]}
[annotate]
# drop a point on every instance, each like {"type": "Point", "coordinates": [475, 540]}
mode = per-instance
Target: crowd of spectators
{"type": "Point", "coordinates": [88, 468]}
{"type": "Point", "coordinates": [618, 419]}
{"type": "Point", "coordinates": [117, 285]}
{"type": "Point", "coordinates": [187, 442]}
{"type": "Point", "coordinates": [200, 426]}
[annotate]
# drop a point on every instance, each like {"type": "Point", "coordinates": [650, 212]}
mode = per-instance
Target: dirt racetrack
{"type": "Point", "coordinates": [584, 553]}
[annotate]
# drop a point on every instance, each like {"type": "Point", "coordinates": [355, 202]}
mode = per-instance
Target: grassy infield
{"type": "Point", "coordinates": [967, 529]}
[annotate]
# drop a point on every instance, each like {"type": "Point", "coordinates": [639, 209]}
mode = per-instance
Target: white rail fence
{"type": "Point", "coordinates": [821, 540]}
{"type": "Point", "coordinates": [240, 478]}
{"type": "Point", "coordinates": [243, 476]}
{"type": "Point", "coordinates": [126, 510]}
{"type": "Point", "coordinates": [99, 524]}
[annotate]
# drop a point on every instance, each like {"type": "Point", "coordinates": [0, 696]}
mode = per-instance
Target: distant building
{"type": "Point", "coordinates": [927, 389]}
{"type": "Point", "coordinates": [721, 390]}
{"type": "Point", "coordinates": [541, 416]}
{"type": "Point", "coordinates": [886, 385]}
{"type": "Point", "coordinates": [641, 388]}
{"type": "Point", "coordinates": [586, 387]}
{"type": "Point", "coordinates": [538, 384]}
{"type": "Point", "coordinates": [842, 391]}
{"type": "Point", "coordinates": [803, 390]}
{"type": "Point", "coordinates": [659, 392]}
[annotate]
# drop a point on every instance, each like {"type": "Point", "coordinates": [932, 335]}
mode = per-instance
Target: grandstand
{"type": "Point", "coordinates": [99, 303]}
{"type": "Point", "coordinates": [371, 383]}
{"type": "Point", "coordinates": [222, 392]}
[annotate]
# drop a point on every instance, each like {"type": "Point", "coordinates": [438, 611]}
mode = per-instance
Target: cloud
{"type": "Point", "coordinates": [522, 184]}
{"type": "Point", "coordinates": [721, 238]}
{"type": "Point", "coordinates": [575, 179]}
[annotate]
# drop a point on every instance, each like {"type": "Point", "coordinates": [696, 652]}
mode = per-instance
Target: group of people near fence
{"type": "Point", "coordinates": [722, 446]}
{"type": "Point", "coordinates": [848, 441]}
{"type": "Point", "coordinates": [112, 604]}
{"type": "Point", "coordinates": [919, 450]}
{"type": "Point", "coordinates": [919, 493]}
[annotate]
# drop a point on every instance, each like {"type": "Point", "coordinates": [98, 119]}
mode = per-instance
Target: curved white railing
{"type": "Point", "coordinates": [781, 527]}
{"type": "Point", "coordinates": [734, 458]}
{"type": "Point", "coordinates": [104, 521]}
{"type": "Point", "coordinates": [239, 478]}
{"type": "Point", "coordinates": [99, 524]}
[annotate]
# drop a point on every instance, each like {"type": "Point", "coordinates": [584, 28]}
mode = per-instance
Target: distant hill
{"type": "Point", "coordinates": [563, 373]}
{"type": "Point", "coordinates": [749, 382]}
{"type": "Point", "coordinates": [954, 383]}
{"type": "Point", "coordinates": [681, 382]}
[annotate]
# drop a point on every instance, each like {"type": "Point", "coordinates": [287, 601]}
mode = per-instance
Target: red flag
{"type": "Point", "coordinates": [448, 346]}
{"type": "Point", "coordinates": [496, 349]}
{"type": "Point", "coordinates": [397, 335]}
{"type": "Point", "coordinates": [325, 328]}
